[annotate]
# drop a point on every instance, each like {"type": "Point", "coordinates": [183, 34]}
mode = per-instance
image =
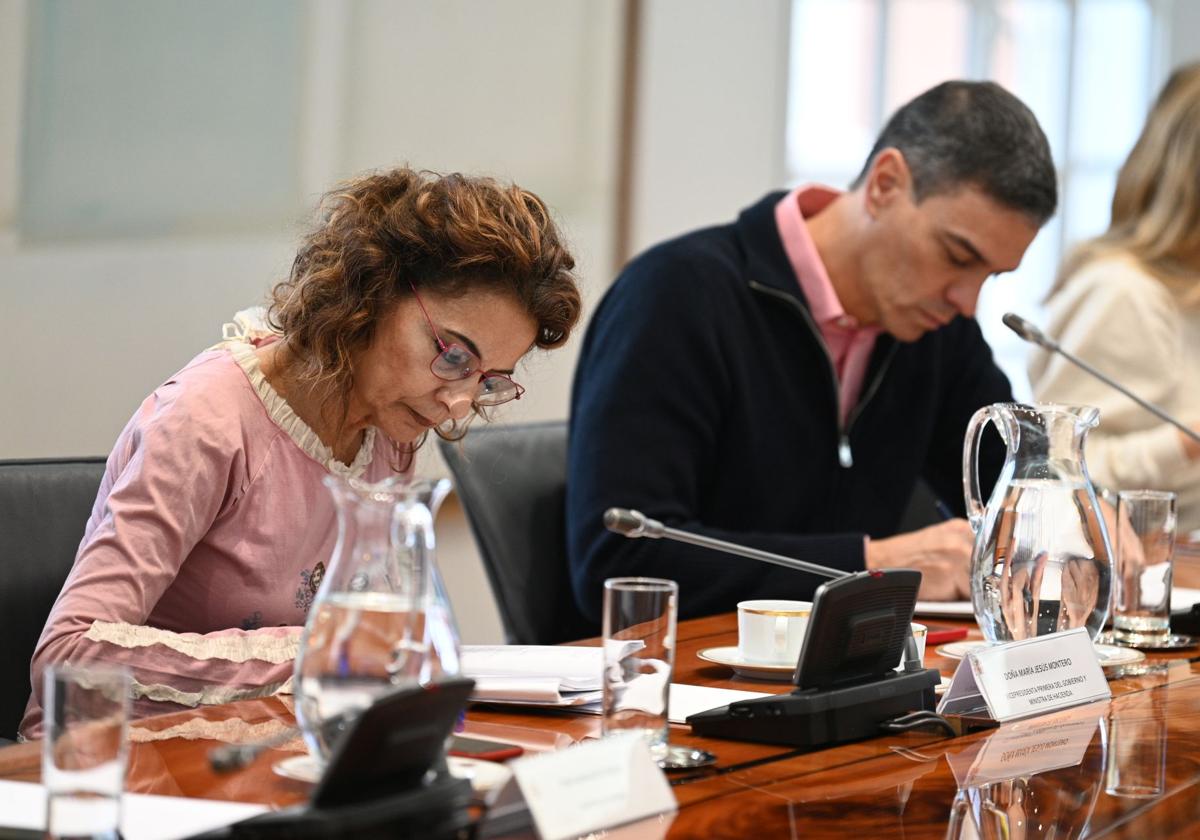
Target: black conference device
{"type": "Point", "coordinates": [386, 777]}
{"type": "Point", "coordinates": [635, 524]}
{"type": "Point", "coordinates": [846, 685]}
{"type": "Point", "coordinates": [846, 682]}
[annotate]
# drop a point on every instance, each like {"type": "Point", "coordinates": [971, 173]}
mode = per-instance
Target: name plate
{"type": "Point", "coordinates": [1029, 677]}
{"type": "Point", "coordinates": [594, 786]}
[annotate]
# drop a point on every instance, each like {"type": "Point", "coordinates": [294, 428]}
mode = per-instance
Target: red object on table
{"type": "Point", "coordinates": [944, 634]}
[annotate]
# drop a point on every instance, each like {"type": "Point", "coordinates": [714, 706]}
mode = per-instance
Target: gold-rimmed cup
{"type": "Point", "coordinates": [771, 630]}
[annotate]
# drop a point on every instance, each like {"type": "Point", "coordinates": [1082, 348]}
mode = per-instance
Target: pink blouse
{"type": "Point", "coordinates": [206, 544]}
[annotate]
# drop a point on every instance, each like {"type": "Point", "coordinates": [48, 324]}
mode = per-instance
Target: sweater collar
{"type": "Point", "coordinates": [766, 261]}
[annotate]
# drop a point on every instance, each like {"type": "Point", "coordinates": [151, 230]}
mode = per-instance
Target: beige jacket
{"type": "Point", "coordinates": [1120, 319]}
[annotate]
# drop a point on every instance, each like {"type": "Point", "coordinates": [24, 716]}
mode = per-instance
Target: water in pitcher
{"type": "Point", "coordinates": [1043, 565]}
{"type": "Point", "coordinates": [359, 646]}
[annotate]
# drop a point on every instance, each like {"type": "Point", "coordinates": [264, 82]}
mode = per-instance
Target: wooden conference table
{"type": "Point", "coordinates": [902, 786]}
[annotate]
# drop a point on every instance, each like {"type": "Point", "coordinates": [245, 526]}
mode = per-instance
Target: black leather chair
{"type": "Point", "coordinates": [44, 507]}
{"type": "Point", "coordinates": [512, 481]}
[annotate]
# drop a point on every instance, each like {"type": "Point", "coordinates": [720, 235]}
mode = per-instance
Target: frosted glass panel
{"type": "Point", "coordinates": [1082, 66]}
{"type": "Point", "coordinates": [1111, 67]}
{"type": "Point", "coordinates": [926, 45]}
{"type": "Point", "coordinates": [1088, 207]}
{"type": "Point", "coordinates": [154, 117]}
{"type": "Point", "coordinates": [1029, 57]}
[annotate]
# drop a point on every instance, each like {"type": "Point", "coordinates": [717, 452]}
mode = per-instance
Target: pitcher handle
{"type": "Point", "coordinates": [971, 494]}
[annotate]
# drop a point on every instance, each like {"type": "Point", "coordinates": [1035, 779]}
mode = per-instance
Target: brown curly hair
{"type": "Point", "coordinates": [378, 233]}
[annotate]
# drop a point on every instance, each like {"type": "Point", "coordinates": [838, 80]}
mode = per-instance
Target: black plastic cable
{"type": "Point", "coordinates": [916, 720]}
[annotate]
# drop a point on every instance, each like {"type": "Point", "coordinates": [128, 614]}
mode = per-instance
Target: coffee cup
{"type": "Point", "coordinates": [771, 631]}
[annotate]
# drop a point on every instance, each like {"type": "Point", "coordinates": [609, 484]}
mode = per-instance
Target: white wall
{"type": "Point", "coordinates": [710, 117]}
{"type": "Point", "coordinates": [524, 90]}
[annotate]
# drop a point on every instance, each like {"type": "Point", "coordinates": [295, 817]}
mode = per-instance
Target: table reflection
{"type": "Point", "coordinates": [1031, 779]}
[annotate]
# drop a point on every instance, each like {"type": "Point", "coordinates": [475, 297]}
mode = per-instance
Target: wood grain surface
{"type": "Point", "coordinates": [913, 785]}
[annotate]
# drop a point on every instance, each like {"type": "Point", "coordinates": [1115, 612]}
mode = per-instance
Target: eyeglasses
{"type": "Point", "coordinates": [455, 363]}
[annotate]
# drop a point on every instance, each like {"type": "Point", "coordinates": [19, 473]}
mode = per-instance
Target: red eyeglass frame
{"type": "Point", "coordinates": [443, 347]}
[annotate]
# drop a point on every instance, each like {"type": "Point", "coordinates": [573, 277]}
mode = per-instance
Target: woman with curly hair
{"type": "Point", "coordinates": [406, 310]}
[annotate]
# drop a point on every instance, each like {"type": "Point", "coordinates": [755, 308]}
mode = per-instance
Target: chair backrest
{"type": "Point", "coordinates": [44, 507]}
{"type": "Point", "coordinates": [512, 481]}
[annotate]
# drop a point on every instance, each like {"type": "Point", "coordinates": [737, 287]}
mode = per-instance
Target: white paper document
{"type": "Point", "coordinates": [687, 700]}
{"type": "Point", "coordinates": [568, 677]}
{"type": "Point", "coordinates": [531, 691]}
{"type": "Point", "coordinates": [536, 675]}
{"type": "Point", "coordinates": [576, 668]}
{"type": "Point", "coordinates": [144, 817]}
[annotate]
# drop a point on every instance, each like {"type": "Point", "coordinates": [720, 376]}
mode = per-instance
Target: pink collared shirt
{"type": "Point", "coordinates": [849, 344]}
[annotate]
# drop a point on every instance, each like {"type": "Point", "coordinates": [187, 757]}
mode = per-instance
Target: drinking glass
{"type": "Point", "coordinates": [84, 750]}
{"type": "Point", "coordinates": [1145, 545]}
{"type": "Point", "coordinates": [639, 656]}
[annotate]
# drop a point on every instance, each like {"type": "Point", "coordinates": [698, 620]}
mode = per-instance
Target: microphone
{"type": "Point", "coordinates": [633, 523]}
{"type": "Point", "coordinates": [1028, 331]}
{"type": "Point", "coordinates": [1033, 335]}
{"type": "Point", "coordinates": [845, 687]}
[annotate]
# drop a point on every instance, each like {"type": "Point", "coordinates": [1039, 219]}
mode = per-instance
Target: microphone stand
{"type": "Point", "coordinates": [635, 524]}
{"type": "Point", "coordinates": [845, 686]}
{"type": "Point", "coordinates": [1028, 332]}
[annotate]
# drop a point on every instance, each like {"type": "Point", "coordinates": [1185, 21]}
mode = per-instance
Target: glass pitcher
{"type": "Point", "coordinates": [439, 643]}
{"type": "Point", "coordinates": [381, 619]}
{"type": "Point", "coordinates": [1042, 556]}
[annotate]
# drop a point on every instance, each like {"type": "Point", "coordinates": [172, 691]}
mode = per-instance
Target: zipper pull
{"type": "Point", "coordinates": [845, 457]}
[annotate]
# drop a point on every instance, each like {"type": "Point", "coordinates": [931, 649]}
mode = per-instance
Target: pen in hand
{"type": "Point", "coordinates": [943, 509]}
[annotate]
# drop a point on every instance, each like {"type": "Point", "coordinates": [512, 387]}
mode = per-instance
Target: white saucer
{"type": "Point", "coordinates": [302, 768]}
{"type": "Point", "coordinates": [730, 657]}
{"type": "Point", "coordinates": [1110, 655]}
{"type": "Point", "coordinates": [483, 775]}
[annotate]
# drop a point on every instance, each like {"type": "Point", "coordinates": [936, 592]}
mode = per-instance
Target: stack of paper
{"type": "Point", "coordinates": [569, 677]}
{"type": "Point", "coordinates": [539, 675]}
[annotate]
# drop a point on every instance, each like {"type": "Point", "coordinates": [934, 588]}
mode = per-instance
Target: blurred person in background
{"type": "Point", "coordinates": [1128, 302]}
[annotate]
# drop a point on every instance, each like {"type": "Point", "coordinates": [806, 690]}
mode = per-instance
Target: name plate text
{"type": "Point", "coordinates": [1029, 677]}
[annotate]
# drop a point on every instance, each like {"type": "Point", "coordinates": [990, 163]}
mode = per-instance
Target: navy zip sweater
{"type": "Point", "coordinates": [705, 398]}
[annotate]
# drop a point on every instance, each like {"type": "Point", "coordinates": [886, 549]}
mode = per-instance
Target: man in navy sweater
{"type": "Point", "coordinates": [783, 381]}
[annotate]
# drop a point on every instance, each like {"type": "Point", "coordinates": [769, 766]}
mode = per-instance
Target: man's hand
{"type": "Point", "coordinates": [941, 553]}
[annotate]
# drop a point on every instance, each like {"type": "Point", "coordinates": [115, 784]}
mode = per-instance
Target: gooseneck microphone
{"type": "Point", "coordinates": [632, 523]}
{"type": "Point", "coordinates": [1033, 335]}
{"type": "Point", "coordinates": [845, 686]}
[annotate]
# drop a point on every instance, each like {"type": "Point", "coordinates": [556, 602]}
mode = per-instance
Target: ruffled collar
{"type": "Point", "coordinates": [284, 417]}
